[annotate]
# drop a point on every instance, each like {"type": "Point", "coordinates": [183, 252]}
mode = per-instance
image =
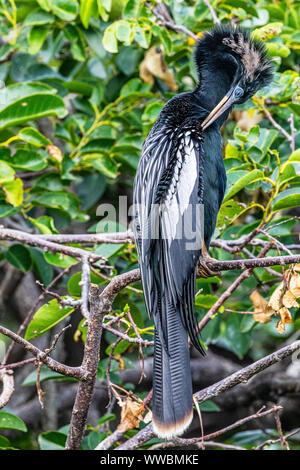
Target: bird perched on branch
{"type": "Point", "coordinates": [178, 191]}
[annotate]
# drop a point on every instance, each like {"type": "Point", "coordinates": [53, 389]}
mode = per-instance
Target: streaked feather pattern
{"type": "Point", "coordinates": [167, 192]}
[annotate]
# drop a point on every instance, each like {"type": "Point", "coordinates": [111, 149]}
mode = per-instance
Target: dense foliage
{"type": "Point", "coordinates": [83, 82]}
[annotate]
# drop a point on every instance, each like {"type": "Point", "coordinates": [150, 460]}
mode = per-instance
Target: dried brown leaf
{"type": "Point", "coordinates": [148, 417]}
{"type": "Point", "coordinates": [289, 300]}
{"type": "Point", "coordinates": [275, 302]}
{"type": "Point", "coordinates": [296, 267]}
{"type": "Point", "coordinates": [294, 285]}
{"type": "Point", "coordinates": [54, 152]}
{"type": "Point", "coordinates": [247, 119]}
{"type": "Point", "coordinates": [154, 65]}
{"type": "Point", "coordinates": [131, 412]}
{"type": "Point", "coordinates": [285, 317]}
{"type": "Point", "coordinates": [260, 308]}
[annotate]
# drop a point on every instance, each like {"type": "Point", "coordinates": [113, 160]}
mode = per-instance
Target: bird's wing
{"type": "Point", "coordinates": [168, 221]}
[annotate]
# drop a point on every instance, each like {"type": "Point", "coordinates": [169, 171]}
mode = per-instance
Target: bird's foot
{"type": "Point", "coordinates": [202, 268]}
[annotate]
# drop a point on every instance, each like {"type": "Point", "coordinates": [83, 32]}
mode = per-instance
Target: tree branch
{"type": "Point", "coordinates": [217, 389]}
{"type": "Point", "coordinates": [162, 14]}
{"type": "Point", "coordinates": [37, 241]}
{"type": "Point", "coordinates": [187, 442]}
{"type": "Point", "coordinates": [89, 367]}
{"type": "Point", "coordinates": [54, 365]}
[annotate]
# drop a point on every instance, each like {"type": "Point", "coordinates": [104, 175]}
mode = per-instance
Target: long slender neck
{"type": "Point", "coordinates": [213, 86]}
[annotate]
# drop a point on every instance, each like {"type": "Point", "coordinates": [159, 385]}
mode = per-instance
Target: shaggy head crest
{"type": "Point", "coordinates": [233, 50]}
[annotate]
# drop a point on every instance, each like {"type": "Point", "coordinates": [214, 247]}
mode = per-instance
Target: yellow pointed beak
{"type": "Point", "coordinates": [218, 110]}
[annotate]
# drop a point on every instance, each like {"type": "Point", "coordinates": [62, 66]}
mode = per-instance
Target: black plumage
{"type": "Point", "coordinates": [178, 191]}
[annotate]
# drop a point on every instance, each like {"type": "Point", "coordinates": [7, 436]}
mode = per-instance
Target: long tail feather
{"type": "Point", "coordinates": [172, 398]}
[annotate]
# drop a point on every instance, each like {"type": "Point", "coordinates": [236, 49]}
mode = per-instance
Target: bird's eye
{"type": "Point", "coordinates": [238, 92]}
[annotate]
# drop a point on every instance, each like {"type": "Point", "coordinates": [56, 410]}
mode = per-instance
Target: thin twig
{"type": "Point", "coordinates": [259, 414]}
{"type": "Point", "coordinates": [228, 292]}
{"type": "Point", "coordinates": [15, 365]}
{"type": "Point", "coordinates": [275, 124]}
{"type": "Point", "coordinates": [279, 428]}
{"type": "Point", "coordinates": [293, 132]}
{"type": "Point", "coordinates": [54, 365]}
{"type": "Point", "coordinates": [220, 387]}
{"type": "Point", "coordinates": [162, 14]}
{"type": "Point", "coordinates": [32, 310]}
{"type": "Point", "coordinates": [212, 12]}
{"type": "Point", "coordinates": [274, 441]}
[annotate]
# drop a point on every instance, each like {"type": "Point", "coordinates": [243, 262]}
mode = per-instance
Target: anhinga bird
{"type": "Point", "coordinates": [181, 170]}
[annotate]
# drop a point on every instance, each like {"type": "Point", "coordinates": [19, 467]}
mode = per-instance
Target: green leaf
{"type": "Point", "coordinates": [248, 438]}
{"type": "Point", "coordinates": [50, 182]}
{"type": "Point", "coordinates": [52, 440]}
{"type": "Point", "coordinates": [24, 102]}
{"type": "Point", "coordinates": [295, 156]}
{"type": "Point", "coordinates": [152, 111]}
{"type": "Point", "coordinates": [142, 37]}
{"type": "Point", "coordinates": [102, 163]}
{"type": "Point", "coordinates": [266, 139]}
{"type": "Point", "coordinates": [106, 418]}
{"type": "Point", "coordinates": [239, 342]}
{"type": "Point", "coordinates": [205, 300]}
{"type": "Point", "coordinates": [13, 192]}
{"type": "Point", "coordinates": [110, 42]}
{"type": "Point", "coordinates": [93, 439]}
{"type": "Point", "coordinates": [103, 12]}
{"type": "Point", "coordinates": [108, 250]}
{"type": "Point", "coordinates": [230, 211]}
{"type": "Point", "coordinates": [254, 175]}
{"type": "Point", "coordinates": [10, 421]}
{"type": "Point", "coordinates": [121, 347]}
{"type": "Point", "coordinates": [247, 323]}
{"type": "Point", "coordinates": [209, 406]}
{"type": "Point", "coordinates": [34, 137]}
{"type": "Point", "coordinates": [88, 8]}
{"type": "Point", "coordinates": [6, 172]}
{"type": "Point", "coordinates": [46, 374]}
{"type": "Point", "coordinates": [75, 36]}
{"type": "Point", "coordinates": [65, 9]}
{"type": "Point", "coordinates": [13, 93]}
{"type": "Point", "coordinates": [231, 151]}
{"type": "Point", "coordinates": [44, 271]}
{"type": "Point", "coordinates": [4, 443]}
{"type": "Point", "coordinates": [19, 256]}
{"type": "Point", "coordinates": [60, 200]}
{"type": "Point", "coordinates": [38, 18]}
{"type": "Point", "coordinates": [44, 4]}
{"type": "Point", "coordinates": [45, 224]}
{"type": "Point", "coordinates": [276, 49]}
{"type": "Point", "coordinates": [74, 287]}
{"type": "Point", "coordinates": [60, 260]}
{"type": "Point", "coordinates": [36, 38]}
{"type": "Point", "coordinates": [123, 31]}
{"type": "Point", "coordinates": [45, 318]}
{"type": "Point", "coordinates": [5, 50]}
{"type": "Point", "coordinates": [30, 161]}
{"type": "Point", "coordinates": [128, 59]}
{"type": "Point", "coordinates": [287, 199]}
{"type": "Point", "coordinates": [290, 171]}
{"type": "Point", "coordinates": [6, 210]}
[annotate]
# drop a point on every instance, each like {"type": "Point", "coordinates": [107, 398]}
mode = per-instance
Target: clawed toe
{"type": "Point", "coordinates": [203, 270]}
